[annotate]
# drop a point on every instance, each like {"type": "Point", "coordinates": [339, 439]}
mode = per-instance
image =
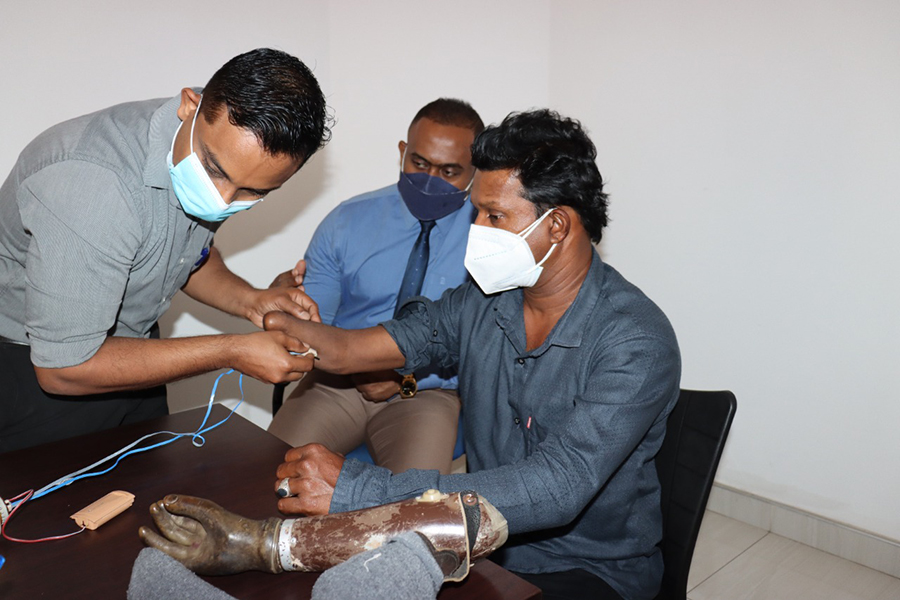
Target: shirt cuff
{"type": "Point", "coordinates": [359, 485]}
{"type": "Point", "coordinates": [55, 355]}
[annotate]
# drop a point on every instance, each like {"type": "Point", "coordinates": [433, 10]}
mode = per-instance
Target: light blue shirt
{"type": "Point", "coordinates": [357, 257]}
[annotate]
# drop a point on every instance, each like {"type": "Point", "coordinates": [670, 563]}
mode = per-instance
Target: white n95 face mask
{"type": "Point", "coordinates": [500, 260]}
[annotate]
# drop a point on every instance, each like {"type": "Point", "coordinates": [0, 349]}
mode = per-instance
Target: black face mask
{"type": "Point", "coordinates": [429, 198]}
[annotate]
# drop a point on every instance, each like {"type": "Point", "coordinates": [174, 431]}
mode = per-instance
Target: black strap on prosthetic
{"type": "Point", "coordinates": [473, 516]}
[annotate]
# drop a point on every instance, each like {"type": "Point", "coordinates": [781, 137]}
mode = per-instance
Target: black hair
{"type": "Point", "coordinates": [452, 112]}
{"type": "Point", "coordinates": [274, 95]}
{"type": "Point", "coordinates": [553, 158]}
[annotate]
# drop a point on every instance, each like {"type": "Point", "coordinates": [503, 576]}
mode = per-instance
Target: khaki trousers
{"type": "Point", "coordinates": [405, 433]}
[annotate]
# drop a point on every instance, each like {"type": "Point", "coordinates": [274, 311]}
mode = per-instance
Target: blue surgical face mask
{"type": "Point", "coordinates": [195, 190]}
{"type": "Point", "coordinates": [429, 198]}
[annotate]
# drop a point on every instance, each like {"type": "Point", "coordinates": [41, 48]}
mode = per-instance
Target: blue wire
{"type": "Point", "coordinates": [195, 436]}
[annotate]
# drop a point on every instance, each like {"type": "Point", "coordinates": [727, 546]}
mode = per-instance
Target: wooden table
{"type": "Point", "coordinates": [235, 468]}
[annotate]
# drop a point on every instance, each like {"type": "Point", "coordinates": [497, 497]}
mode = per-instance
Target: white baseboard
{"type": "Point", "coordinates": [842, 540]}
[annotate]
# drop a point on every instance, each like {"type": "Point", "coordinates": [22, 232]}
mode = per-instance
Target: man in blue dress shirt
{"type": "Point", "coordinates": [369, 255]}
{"type": "Point", "coordinates": [568, 372]}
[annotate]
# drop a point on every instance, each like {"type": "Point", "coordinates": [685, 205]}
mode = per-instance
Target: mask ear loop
{"type": "Point", "coordinates": [471, 181]}
{"type": "Point", "coordinates": [403, 163]}
{"type": "Point", "coordinates": [546, 256]}
{"type": "Point", "coordinates": [527, 231]}
{"type": "Point", "coordinates": [180, 125]}
{"type": "Point", "coordinates": [194, 122]}
{"type": "Point", "coordinates": [468, 188]}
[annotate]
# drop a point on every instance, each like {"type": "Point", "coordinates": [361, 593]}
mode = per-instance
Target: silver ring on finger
{"type": "Point", "coordinates": [284, 488]}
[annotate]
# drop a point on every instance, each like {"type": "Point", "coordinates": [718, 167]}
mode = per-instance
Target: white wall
{"type": "Point", "coordinates": [752, 150]}
{"type": "Point", "coordinates": [749, 149]}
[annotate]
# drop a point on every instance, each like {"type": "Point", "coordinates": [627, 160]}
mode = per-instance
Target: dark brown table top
{"type": "Point", "coordinates": [235, 468]}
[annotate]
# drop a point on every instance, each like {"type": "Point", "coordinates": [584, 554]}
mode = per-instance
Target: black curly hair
{"type": "Point", "coordinates": [274, 95]}
{"type": "Point", "coordinates": [553, 158]}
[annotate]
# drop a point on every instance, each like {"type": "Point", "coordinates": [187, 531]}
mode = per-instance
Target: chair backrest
{"type": "Point", "coordinates": [695, 436]}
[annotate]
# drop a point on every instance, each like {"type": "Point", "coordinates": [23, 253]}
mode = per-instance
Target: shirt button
{"type": "Point", "coordinates": [521, 361]}
{"type": "Point", "coordinates": [517, 420]}
{"type": "Point", "coordinates": [434, 333]}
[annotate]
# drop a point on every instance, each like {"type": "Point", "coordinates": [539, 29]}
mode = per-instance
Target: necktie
{"type": "Point", "coordinates": [415, 266]}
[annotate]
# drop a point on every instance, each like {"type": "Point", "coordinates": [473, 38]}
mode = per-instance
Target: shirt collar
{"type": "Point", "coordinates": [163, 125]}
{"type": "Point", "coordinates": [569, 330]}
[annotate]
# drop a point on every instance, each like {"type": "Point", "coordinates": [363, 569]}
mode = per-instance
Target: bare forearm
{"type": "Point", "coordinates": [128, 364]}
{"type": "Point", "coordinates": [216, 285]}
{"type": "Point", "coordinates": [341, 350]}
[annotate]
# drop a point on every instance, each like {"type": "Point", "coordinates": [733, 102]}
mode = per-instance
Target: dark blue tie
{"type": "Point", "coordinates": [415, 266]}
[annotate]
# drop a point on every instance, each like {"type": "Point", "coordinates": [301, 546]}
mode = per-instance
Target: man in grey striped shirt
{"type": "Point", "coordinates": [106, 216]}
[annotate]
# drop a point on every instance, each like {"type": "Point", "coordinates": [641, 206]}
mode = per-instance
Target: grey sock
{"type": "Point", "coordinates": [402, 569]}
{"type": "Point", "coordinates": [158, 576]}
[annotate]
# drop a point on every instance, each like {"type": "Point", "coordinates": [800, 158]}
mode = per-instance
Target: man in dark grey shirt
{"type": "Point", "coordinates": [566, 370]}
{"type": "Point", "coordinates": [105, 217]}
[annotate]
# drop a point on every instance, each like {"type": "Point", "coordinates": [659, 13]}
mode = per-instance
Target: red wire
{"type": "Point", "coordinates": [28, 496]}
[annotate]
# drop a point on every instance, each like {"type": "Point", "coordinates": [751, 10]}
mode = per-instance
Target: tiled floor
{"type": "Point", "coordinates": [736, 561]}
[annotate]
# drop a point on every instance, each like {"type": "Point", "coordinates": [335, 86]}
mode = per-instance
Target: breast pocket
{"type": "Point", "coordinates": [546, 419]}
{"type": "Point", "coordinates": [533, 433]}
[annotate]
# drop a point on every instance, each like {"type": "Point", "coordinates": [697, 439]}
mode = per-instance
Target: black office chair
{"type": "Point", "coordinates": [278, 397]}
{"type": "Point", "coordinates": [687, 461]}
